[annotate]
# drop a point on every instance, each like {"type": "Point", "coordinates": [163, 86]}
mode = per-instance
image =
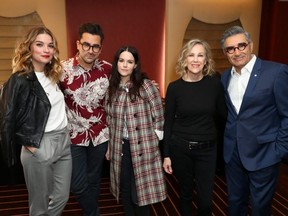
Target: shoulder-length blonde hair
{"type": "Point", "coordinates": [22, 60]}
{"type": "Point", "coordinates": [181, 65]}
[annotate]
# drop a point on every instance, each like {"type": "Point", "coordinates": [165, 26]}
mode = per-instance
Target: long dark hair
{"type": "Point", "coordinates": [136, 77]}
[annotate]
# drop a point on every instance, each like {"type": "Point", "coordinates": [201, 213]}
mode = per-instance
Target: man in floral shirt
{"type": "Point", "coordinates": [84, 83]}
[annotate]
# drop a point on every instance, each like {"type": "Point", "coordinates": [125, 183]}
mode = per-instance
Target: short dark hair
{"type": "Point", "coordinates": [91, 28]}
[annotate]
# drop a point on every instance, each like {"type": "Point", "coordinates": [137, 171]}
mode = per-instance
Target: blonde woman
{"type": "Point", "coordinates": [192, 105]}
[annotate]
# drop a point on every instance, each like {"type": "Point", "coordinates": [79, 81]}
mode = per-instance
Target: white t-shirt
{"type": "Point", "coordinates": [57, 118]}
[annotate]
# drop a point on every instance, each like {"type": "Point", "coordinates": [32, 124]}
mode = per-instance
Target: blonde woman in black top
{"type": "Point", "coordinates": [193, 104]}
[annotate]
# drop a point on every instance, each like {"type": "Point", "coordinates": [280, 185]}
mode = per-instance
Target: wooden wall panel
{"type": "Point", "coordinates": [6, 53]}
{"type": "Point", "coordinates": [7, 42]}
{"type": "Point", "coordinates": [27, 20]}
{"type": "Point", "coordinates": [5, 64]}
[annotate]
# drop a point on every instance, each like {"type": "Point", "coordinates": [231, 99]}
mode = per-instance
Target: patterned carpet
{"type": "Point", "coordinates": [13, 199]}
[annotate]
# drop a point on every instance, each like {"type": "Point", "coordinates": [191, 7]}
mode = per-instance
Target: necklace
{"type": "Point", "coordinates": [124, 86]}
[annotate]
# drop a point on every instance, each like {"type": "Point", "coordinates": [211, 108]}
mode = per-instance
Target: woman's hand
{"type": "Point", "coordinates": [167, 165]}
{"type": "Point", "coordinates": [107, 155]}
{"type": "Point", "coordinates": [31, 149]}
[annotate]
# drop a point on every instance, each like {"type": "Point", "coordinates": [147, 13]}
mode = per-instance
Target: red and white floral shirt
{"type": "Point", "coordinates": [84, 92]}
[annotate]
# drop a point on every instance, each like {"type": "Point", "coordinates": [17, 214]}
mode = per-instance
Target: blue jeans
{"type": "Point", "coordinates": [87, 166]}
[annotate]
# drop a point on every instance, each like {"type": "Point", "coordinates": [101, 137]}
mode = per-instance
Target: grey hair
{"type": "Point", "coordinates": [234, 30]}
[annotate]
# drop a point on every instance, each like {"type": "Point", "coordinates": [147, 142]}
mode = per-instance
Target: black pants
{"type": "Point", "coordinates": [128, 187]}
{"type": "Point", "coordinates": [194, 167]}
{"type": "Point", "coordinates": [87, 166]}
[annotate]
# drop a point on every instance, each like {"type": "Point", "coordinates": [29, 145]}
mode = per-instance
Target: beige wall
{"type": "Point", "coordinates": [180, 12]}
{"type": "Point", "coordinates": [52, 13]}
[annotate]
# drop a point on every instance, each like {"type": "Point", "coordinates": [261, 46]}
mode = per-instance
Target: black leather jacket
{"type": "Point", "coordinates": [24, 111]}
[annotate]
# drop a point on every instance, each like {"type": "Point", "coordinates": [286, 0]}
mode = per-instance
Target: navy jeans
{"type": "Point", "coordinates": [87, 166]}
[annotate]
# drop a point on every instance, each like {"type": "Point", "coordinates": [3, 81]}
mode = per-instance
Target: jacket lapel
{"type": "Point", "coordinates": [37, 89]}
{"type": "Point", "coordinates": [226, 81]}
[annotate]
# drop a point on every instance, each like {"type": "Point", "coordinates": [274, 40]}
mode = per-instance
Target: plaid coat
{"type": "Point", "coordinates": [143, 116]}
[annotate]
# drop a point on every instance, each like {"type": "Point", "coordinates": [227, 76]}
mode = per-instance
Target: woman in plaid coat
{"type": "Point", "coordinates": [135, 118]}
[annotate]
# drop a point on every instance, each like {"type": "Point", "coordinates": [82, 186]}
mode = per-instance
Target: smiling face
{"type": "Point", "coordinates": [196, 59]}
{"type": "Point", "coordinates": [42, 50]}
{"type": "Point", "coordinates": [238, 58]}
{"type": "Point", "coordinates": [126, 64]}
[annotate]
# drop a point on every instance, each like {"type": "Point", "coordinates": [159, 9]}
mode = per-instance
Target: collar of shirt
{"type": "Point", "coordinates": [76, 62]}
{"type": "Point", "coordinates": [238, 83]}
{"type": "Point", "coordinates": [247, 68]}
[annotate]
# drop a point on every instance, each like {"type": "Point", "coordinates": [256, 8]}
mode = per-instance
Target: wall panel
{"type": "Point", "coordinates": [273, 43]}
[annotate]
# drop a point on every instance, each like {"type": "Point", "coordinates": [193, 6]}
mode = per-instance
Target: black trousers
{"type": "Point", "coordinates": [128, 187]}
{"type": "Point", "coordinates": [194, 168]}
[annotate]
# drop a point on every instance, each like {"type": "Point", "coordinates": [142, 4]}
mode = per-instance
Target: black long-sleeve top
{"type": "Point", "coordinates": [194, 110]}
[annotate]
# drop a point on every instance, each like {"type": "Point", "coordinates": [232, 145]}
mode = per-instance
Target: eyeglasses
{"type": "Point", "coordinates": [86, 47]}
{"type": "Point", "coordinates": [240, 47]}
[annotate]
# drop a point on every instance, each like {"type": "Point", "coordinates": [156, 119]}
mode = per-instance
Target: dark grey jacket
{"type": "Point", "coordinates": [24, 111]}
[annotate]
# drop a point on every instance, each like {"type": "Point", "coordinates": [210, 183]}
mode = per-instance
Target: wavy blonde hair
{"type": "Point", "coordinates": [181, 65]}
{"type": "Point", "coordinates": [22, 60]}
